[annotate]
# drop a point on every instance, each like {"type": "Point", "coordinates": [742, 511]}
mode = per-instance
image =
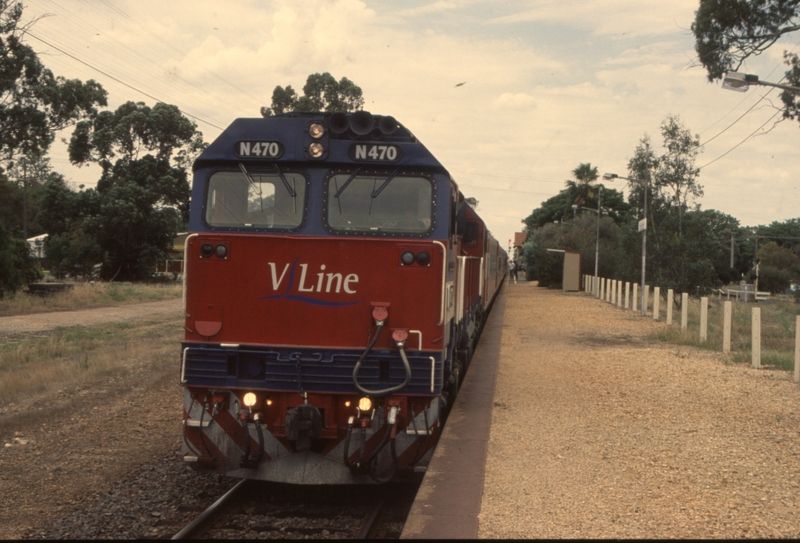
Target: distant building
{"type": "Point", "coordinates": [519, 239]}
{"type": "Point", "coordinates": [36, 245]}
{"type": "Point", "coordinates": [174, 262]}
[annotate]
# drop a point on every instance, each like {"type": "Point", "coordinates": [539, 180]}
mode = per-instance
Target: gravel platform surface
{"type": "Point", "coordinates": [598, 433]}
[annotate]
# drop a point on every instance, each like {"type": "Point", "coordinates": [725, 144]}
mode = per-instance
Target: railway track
{"type": "Point", "coordinates": [257, 509]}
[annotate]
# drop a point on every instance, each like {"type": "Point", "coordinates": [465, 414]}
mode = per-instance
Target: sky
{"type": "Point", "coordinates": [547, 85]}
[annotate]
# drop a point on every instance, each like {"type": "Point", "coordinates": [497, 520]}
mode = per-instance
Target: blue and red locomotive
{"type": "Point", "coordinates": [335, 285]}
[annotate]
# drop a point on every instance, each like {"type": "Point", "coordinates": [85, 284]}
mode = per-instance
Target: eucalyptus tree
{"type": "Point", "coordinates": [142, 197]}
{"type": "Point", "coordinates": [728, 32]}
{"type": "Point", "coordinates": [320, 93]}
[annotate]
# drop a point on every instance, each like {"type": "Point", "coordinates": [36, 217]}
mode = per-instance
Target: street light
{"type": "Point", "coordinates": [741, 82]}
{"type": "Point", "coordinates": [597, 239]}
{"type": "Point", "coordinates": [642, 227]}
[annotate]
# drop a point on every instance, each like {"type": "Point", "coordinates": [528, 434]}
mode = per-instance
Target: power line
{"type": "Point", "coordinates": [741, 142]}
{"type": "Point", "coordinates": [118, 80]}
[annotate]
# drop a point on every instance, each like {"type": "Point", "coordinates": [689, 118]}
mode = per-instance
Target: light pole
{"type": "Point", "coordinates": [642, 227]}
{"type": "Point", "coordinates": [741, 82]}
{"type": "Point", "coordinates": [597, 239]}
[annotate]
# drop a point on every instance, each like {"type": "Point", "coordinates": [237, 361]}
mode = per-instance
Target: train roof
{"type": "Point", "coordinates": [329, 138]}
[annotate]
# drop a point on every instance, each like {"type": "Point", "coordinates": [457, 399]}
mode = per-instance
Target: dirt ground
{"type": "Point", "coordinates": [92, 435]}
{"type": "Point", "coordinates": [599, 433]}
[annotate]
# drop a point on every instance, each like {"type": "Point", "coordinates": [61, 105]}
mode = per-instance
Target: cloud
{"type": "Point", "coordinates": [519, 100]}
{"type": "Point", "coordinates": [610, 17]}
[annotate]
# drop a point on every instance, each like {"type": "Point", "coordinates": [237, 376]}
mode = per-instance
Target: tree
{"type": "Point", "coordinates": [727, 32]}
{"type": "Point", "coordinates": [17, 267]}
{"type": "Point", "coordinates": [141, 200]}
{"type": "Point", "coordinates": [34, 104]}
{"type": "Point", "coordinates": [779, 267]}
{"type": "Point", "coordinates": [321, 93]}
{"type": "Point", "coordinates": [579, 192]}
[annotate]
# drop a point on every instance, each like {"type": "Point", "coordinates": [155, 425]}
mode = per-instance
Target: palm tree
{"type": "Point", "coordinates": [580, 189]}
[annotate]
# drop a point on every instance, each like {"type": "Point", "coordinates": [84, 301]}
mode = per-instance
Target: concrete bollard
{"type": "Point", "coordinates": [684, 310]}
{"type": "Point", "coordinates": [613, 291]}
{"type": "Point", "coordinates": [646, 301]}
{"type": "Point", "coordinates": [602, 284]}
{"type": "Point", "coordinates": [727, 312]}
{"type": "Point", "coordinates": [619, 294]}
{"type": "Point", "coordinates": [627, 294]}
{"type": "Point", "coordinates": [797, 351]}
{"type": "Point", "coordinates": [755, 336]}
{"type": "Point", "coordinates": [704, 318]}
{"type": "Point", "coordinates": [635, 298]}
{"type": "Point", "coordinates": [670, 302]}
{"type": "Point", "coordinates": [656, 303]}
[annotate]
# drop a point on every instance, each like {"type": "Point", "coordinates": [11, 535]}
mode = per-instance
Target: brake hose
{"type": "Point", "coordinates": [406, 366]}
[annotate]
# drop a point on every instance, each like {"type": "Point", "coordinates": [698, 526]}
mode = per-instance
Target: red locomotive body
{"type": "Point", "coordinates": [335, 286]}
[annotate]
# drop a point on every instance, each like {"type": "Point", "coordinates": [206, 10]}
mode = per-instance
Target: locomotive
{"type": "Point", "coordinates": [335, 284]}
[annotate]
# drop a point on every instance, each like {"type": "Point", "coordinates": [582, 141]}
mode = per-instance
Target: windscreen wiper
{"type": "Point", "coordinates": [291, 190]}
{"type": "Point", "coordinates": [349, 180]}
{"type": "Point", "coordinates": [377, 191]}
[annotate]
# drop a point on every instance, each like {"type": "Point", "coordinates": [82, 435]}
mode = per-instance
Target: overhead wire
{"type": "Point", "coordinates": [120, 81]}
{"type": "Point", "coordinates": [120, 55]}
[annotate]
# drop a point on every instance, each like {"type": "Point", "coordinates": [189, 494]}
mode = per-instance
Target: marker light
{"type": "Point", "coordinates": [221, 251]}
{"type": "Point", "coordinates": [269, 402]}
{"type": "Point", "coordinates": [316, 130]}
{"type": "Point", "coordinates": [364, 404]}
{"type": "Point", "coordinates": [315, 150]}
{"type": "Point", "coordinates": [347, 403]}
{"type": "Point", "coordinates": [423, 258]}
{"type": "Point", "coordinates": [206, 250]}
{"type": "Point", "coordinates": [249, 399]}
{"type": "Point", "coordinates": [407, 258]}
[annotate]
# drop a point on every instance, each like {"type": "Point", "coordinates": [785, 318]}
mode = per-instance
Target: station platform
{"type": "Point", "coordinates": [574, 422]}
{"type": "Point", "coordinates": [449, 499]}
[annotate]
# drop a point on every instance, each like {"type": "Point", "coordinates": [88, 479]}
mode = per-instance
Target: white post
{"type": "Point", "coordinates": [670, 302]}
{"type": "Point", "coordinates": [635, 296]}
{"type": "Point", "coordinates": [601, 291]}
{"type": "Point", "coordinates": [627, 294]}
{"type": "Point", "coordinates": [608, 290]}
{"type": "Point", "coordinates": [755, 336]}
{"type": "Point", "coordinates": [646, 300]}
{"type": "Point", "coordinates": [619, 294]}
{"type": "Point", "coordinates": [656, 303]}
{"type": "Point", "coordinates": [727, 310]}
{"type": "Point", "coordinates": [613, 291]}
{"type": "Point", "coordinates": [797, 350]}
{"type": "Point", "coordinates": [704, 318]}
{"type": "Point", "coordinates": [684, 310]}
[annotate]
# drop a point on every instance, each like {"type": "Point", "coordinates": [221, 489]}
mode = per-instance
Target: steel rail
{"type": "Point", "coordinates": [190, 528]}
{"type": "Point", "coordinates": [370, 522]}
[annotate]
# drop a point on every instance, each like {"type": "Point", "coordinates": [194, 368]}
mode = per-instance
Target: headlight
{"type": "Point", "coordinates": [315, 150]}
{"type": "Point", "coordinates": [249, 399]}
{"type": "Point", "coordinates": [364, 404]}
{"type": "Point", "coordinates": [316, 130]}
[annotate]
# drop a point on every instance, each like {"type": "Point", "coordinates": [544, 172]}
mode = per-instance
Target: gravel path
{"type": "Point", "coordinates": [597, 433]}
{"type": "Point", "coordinates": [38, 322]}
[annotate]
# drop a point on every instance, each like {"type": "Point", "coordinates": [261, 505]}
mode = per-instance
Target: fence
{"type": "Point", "coordinates": [721, 324]}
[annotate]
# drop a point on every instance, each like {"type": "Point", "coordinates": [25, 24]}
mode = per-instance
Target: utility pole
{"type": "Point", "coordinates": [24, 198]}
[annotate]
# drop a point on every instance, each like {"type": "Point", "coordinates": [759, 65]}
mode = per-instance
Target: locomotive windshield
{"type": "Point", "coordinates": [256, 200]}
{"type": "Point", "coordinates": [389, 203]}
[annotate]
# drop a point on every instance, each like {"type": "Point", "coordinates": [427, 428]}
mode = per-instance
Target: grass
{"type": "Point", "coordinates": [778, 323]}
{"type": "Point", "coordinates": [35, 366]}
{"type": "Point", "coordinates": [88, 295]}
